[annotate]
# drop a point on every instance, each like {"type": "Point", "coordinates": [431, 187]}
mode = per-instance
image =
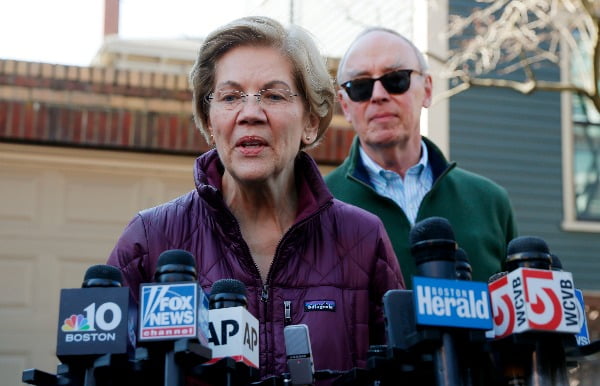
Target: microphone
{"type": "Point", "coordinates": [442, 303]}
{"type": "Point", "coordinates": [535, 312]}
{"type": "Point", "coordinates": [227, 293]}
{"type": "Point", "coordinates": [527, 252]}
{"type": "Point", "coordinates": [175, 306]}
{"type": "Point", "coordinates": [102, 276]}
{"type": "Point", "coordinates": [463, 267]}
{"type": "Point", "coordinates": [445, 305]}
{"type": "Point", "coordinates": [555, 263]}
{"type": "Point", "coordinates": [96, 328]}
{"type": "Point", "coordinates": [440, 299]}
{"type": "Point", "coordinates": [95, 319]}
{"type": "Point", "coordinates": [531, 296]}
{"type": "Point", "coordinates": [299, 354]}
{"type": "Point", "coordinates": [173, 321]}
{"type": "Point", "coordinates": [175, 265]}
{"type": "Point", "coordinates": [233, 331]}
{"type": "Point", "coordinates": [433, 247]}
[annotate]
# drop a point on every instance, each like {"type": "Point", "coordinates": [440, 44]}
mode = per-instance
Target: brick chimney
{"type": "Point", "coordinates": [111, 17]}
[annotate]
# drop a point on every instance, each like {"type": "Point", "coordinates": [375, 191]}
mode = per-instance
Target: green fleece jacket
{"type": "Point", "coordinates": [478, 209]}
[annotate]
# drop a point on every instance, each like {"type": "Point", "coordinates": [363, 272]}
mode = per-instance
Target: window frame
{"type": "Point", "coordinates": [570, 222]}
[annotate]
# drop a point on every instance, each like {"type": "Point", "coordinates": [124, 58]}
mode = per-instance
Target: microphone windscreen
{"type": "Point", "coordinates": [527, 244]}
{"type": "Point", "coordinates": [176, 256]}
{"type": "Point", "coordinates": [227, 293]}
{"type": "Point", "coordinates": [433, 247]}
{"type": "Point", "coordinates": [231, 286]}
{"type": "Point", "coordinates": [461, 256]}
{"type": "Point", "coordinates": [463, 267]}
{"type": "Point", "coordinates": [175, 265]}
{"type": "Point", "coordinates": [102, 275]}
{"type": "Point", "coordinates": [527, 251]}
{"type": "Point", "coordinates": [431, 228]}
{"type": "Point", "coordinates": [556, 263]}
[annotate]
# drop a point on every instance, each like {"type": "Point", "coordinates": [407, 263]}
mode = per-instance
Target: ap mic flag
{"type": "Point", "coordinates": [233, 330]}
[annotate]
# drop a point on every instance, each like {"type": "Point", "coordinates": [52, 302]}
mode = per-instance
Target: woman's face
{"type": "Point", "coordinates": [258, 141]}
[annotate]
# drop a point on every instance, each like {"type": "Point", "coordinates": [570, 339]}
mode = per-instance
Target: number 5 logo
{"type": "Point", "coordinates": [502, 307]}
{"type": "Point", "coordinates": [542, 300]}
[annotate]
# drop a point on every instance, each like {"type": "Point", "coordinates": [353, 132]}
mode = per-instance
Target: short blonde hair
{"type": "Point", "coordinates": [295, 43]}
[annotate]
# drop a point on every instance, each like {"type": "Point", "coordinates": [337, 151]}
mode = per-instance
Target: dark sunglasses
{"type": "Point", "coordinates": [395, 82]}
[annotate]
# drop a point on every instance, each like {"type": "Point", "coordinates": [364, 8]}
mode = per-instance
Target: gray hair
{"type": "Point", "coordinates": [424, 67]}
{"type": "Point", "coordinates": [295, 43]}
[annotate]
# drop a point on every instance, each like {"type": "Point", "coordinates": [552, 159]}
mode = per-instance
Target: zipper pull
{"type": "Point", "coordinates": [264, 297]}
{"type": "Point", "coordinates": [287, 312]}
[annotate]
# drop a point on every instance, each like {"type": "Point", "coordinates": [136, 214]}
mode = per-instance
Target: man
{"type": "Point", "coordinates": [399, 175]}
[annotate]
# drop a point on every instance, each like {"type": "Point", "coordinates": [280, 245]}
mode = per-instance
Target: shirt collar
{"type": "Point", "coordinates": [375, 170]}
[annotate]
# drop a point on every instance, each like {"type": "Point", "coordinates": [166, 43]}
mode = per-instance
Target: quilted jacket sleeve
{"type": "Point", "coordinates": [387, 275]}
{"type": "Point", "coordinates": [130, 253]}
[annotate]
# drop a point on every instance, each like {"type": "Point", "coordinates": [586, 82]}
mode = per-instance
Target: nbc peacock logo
{"type": "Point", "coordinates": [75, 323]}
{"type": "Point", "coordinates": [83, 327]}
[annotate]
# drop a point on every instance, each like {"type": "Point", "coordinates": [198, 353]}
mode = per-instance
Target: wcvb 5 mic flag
{"type": "Point", "coordinates": [528, 299]}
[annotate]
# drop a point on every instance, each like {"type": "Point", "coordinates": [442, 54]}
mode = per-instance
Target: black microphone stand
{"type": "Point", "coordinates": [108, 369]}
{"type": "Point", "coordinates": [227, 372]}
{"type": "Point", "coordinates": [175, 360]}
{"type": "Point", "coordinates": [435, 258]}
{"type": "Point", "coordinates": [418, 354]}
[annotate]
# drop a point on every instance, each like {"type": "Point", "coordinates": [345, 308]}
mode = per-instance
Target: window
{"type": "Point", "coordinates": [586, 159]}
{"type": "Point", "coordinates": [581, 150]}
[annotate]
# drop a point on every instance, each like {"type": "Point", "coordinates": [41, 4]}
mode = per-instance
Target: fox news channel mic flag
{"type": "Point", "coordinates": [175, 307]}
{"type": "Point", "coordinates": [233, 331]}
{"type": "Point", "coordinates": [96, 319]}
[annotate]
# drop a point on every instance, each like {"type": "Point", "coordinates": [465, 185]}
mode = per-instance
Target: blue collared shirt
{"type": "Point", "coordinates": [407, 193]}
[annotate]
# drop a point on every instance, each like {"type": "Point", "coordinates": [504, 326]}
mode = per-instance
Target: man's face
{"type": "Point", "coordinates": [386, 119]}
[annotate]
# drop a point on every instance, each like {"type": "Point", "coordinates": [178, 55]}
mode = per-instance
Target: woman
{"type": "Point", "coordinates": [261, 212]}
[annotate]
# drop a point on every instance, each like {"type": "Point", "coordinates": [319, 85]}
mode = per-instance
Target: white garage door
{"type": "Point", "coordinates": [61, 210]}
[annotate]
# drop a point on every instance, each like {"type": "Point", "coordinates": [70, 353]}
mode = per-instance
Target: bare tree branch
{"type": "Point", "coordinates": [511, 43]}
{"type": "Point", "coordinates": [510, 39]}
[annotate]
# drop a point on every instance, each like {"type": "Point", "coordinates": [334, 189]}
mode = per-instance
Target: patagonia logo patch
{"type": "Point", "coordinates": [319, 305]}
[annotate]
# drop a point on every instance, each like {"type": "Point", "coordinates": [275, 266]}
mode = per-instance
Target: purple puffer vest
{"type": "Point", "coordinates": [330, 269]}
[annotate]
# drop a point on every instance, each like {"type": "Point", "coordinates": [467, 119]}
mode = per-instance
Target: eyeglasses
{"type": "Point", "coordinates": [395, 82]}
{"type": "Point", "coordinates": [231, 99]}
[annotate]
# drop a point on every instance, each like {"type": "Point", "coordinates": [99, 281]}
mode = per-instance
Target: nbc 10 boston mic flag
{"type": "Point", "coordinates": [94, 321]}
